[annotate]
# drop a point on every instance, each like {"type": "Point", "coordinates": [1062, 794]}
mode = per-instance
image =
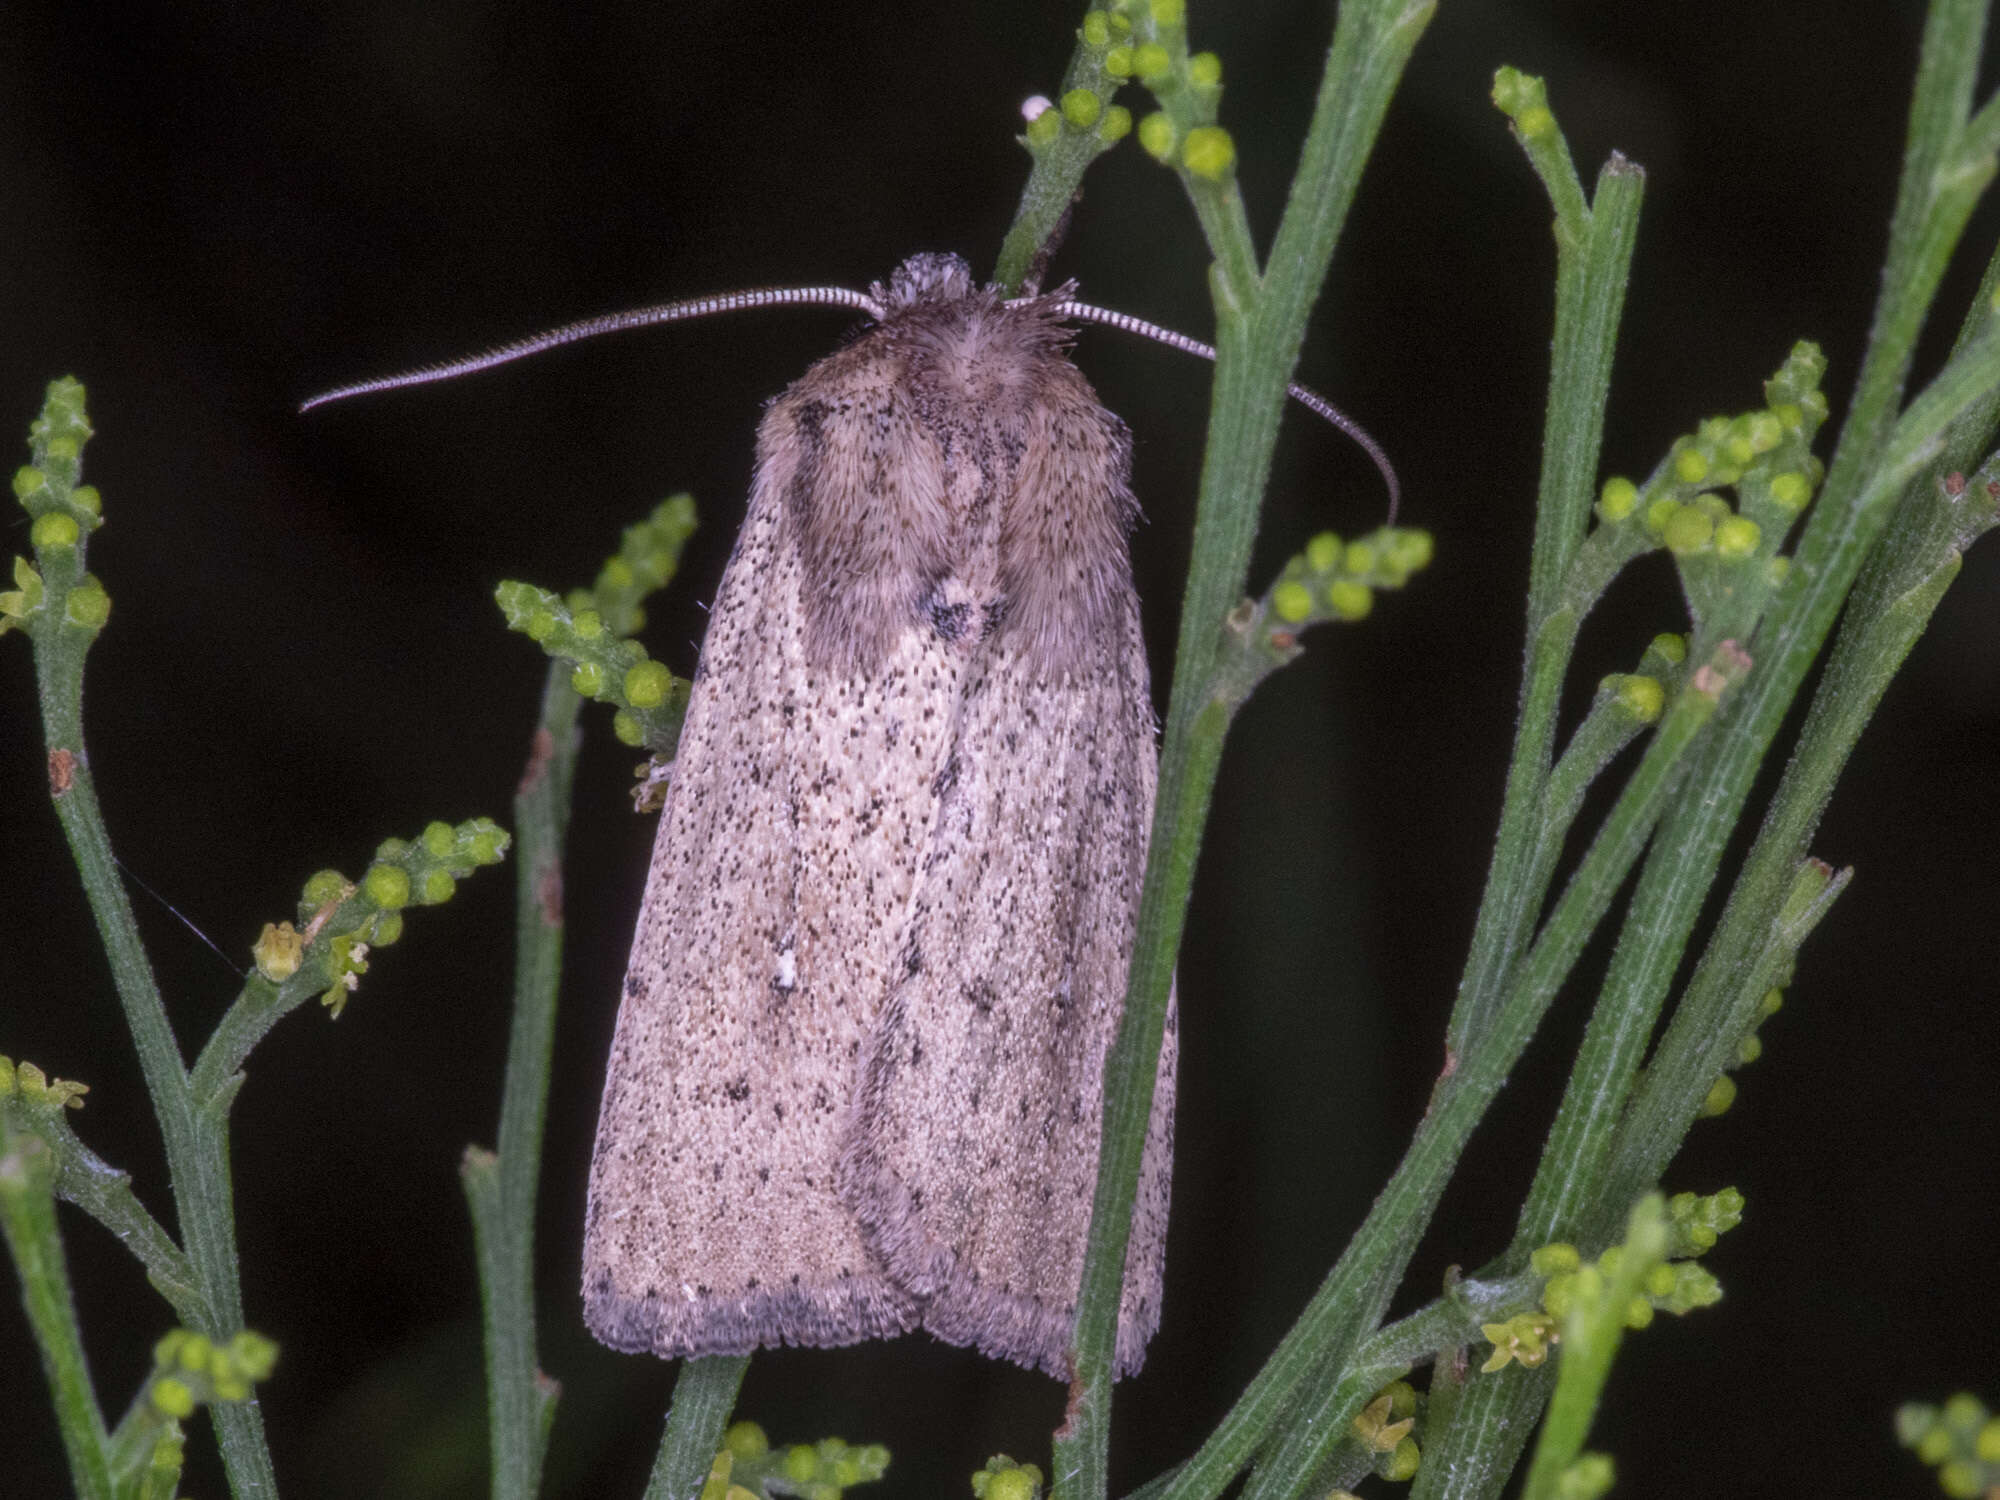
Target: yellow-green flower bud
{"type": "Point", "coordinates": [1118, 61]}
{"type": "Point", "coordinates": [485, 841]}
{"type": "Point", "coordinates": [53, 529]}
{"type": "Point", "coordinates": [627, 729]}
{"type": "Point", "coordinates": [1209, 152]}
{"type": "Point", "coordinates": [172, 1397]}
{"type": "Point", "coordinates": [1151, 62]}
{"type": "Point", "coordinates": [1081, 108]}
{"type": "Point", "coordinates": [27, 480]}
{"type": "Point", "coordinates": [88, 605]}
{"type": "Point", "coordinates": [646, 684]}
{"type": "Point", "coordinates": [1737, 537]}
{"type": "Point", "coordinates": [1096, 28]}
{"type": "Point", "coordinates": [1168, 12]}
{"type": "Point", "coordinates": [439, 839]}
{"type": "Point", "coordinates": [1323, 552]}
{"type": "Point", "coordinates": [438, 888]}
{"type": "Point", "coordinates": [1617, 500]}
{"type": "Point", "coordinates": [1291, 601]}
{"type": "Point", "coordinates": [326, 886]}
{"type": "Point", "coordinates": [1413, 550]}
{"type": "Point", "coordinates": [1642, 697]}
{"type": "Point", "coordinates": [1688, 530]}
{"type": "Point", "coordinates": [801, 1463]}
{"type": "Point", "coordinates": [1156, 135]}
{"type": "Point", "coordinates": [1116, 124]}
{"type": "Point", "coordinates": [1791, 490]}
{"type": "Point", "coordinates": [1690, 466]}
{"type": "Point", "coordinates": [1554, 1259]}
{"type": "Point", "coordinates": [746, 1439]}
{"type": "Point", "coordinates": [587, 677]}
{"type": "Point", "coordinates": [1721, 1094]}
{"type": "Point", "coordinates": [1011, 1484]}
{"type": "Point", "coordinates": [1963, 1412]}
{"type": "Point", "coordinates": [1204, 70]}
{"type": "Point", "coordinates": [1986, 1447]}
{"type": "Point", "coordinates": [1350, 600]}
{"type": "Point", "coordinates": [1961, 1479]}
{"type": "Point", "coordinates": [1403, 1463]}
{"type": "Point", "coordinates": [385, 928]}
{"type": "Point", "coordinates": [386, 886]}
{"type": "Point", "coordinates": [1935, 1446]}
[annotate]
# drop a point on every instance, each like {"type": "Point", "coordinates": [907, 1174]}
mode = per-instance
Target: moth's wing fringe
{"type": "Point", "coordinates": [653, 1323]}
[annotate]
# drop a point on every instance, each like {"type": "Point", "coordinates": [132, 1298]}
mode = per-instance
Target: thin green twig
{"type": "Point", "coordinates": [500, 1187]}
{"type": "Point", "coordinates": [704, 1395]}
{"type": "Point", "coordinates": [28, 1221]}
{"type": "Point", "coordinates": [1257, 347]}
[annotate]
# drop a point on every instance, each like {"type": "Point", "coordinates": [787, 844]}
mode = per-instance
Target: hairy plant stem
{"type": "Point", "coordinates": [704, 1394]}
{"type": "Point", "coordinates": [500, 1186]}
{"type": "Point", "coordinates": [28, 1224]}
{"type": "Point", "coordinates": [196, 1139]}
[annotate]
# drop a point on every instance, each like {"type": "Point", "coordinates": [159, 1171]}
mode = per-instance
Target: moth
{"type": "Point", "coordinates": [856, 1082]}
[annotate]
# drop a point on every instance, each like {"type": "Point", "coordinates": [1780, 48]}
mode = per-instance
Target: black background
{"type": "Point", "coordinates": [210, 213]}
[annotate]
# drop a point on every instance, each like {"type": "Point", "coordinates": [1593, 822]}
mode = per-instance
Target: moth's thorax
{"type": "Point", "coordinates": [952, 470]}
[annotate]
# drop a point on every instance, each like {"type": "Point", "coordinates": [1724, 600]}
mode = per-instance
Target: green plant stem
{"type": "Point", "coordinates": [1591, 1335]}
{"type": "Point", "coordinates": [1256, 349]}
{"type": "Point", "coordinates": [500, 1188]}
{"type": "Point", "coordinates": [1381, 1249]}
{"type": "Point", "coordinates": [196, 1141]}
{"type": "Point", "coordinates": [1890, 606]}
{"type": "Point", "coordinates": [28, 1221]}
{"type": "Point", "coordinates": [105, 1193]}
{"type": "Point", "coordinates": [704, 1395]}
{"type": "Point", "coordinates": [258, 1006]}
{"type": "Point", "coordinates": [1594, 245]}
{"type": "Point", "coordinates": [1586, 1178]}
{"type": "Point", "coordinates": [1053, 180]}
{"type": "Point", "coordinates": [1594, 256]}
{"type": "Point", "coordinates": [1310, 1361]}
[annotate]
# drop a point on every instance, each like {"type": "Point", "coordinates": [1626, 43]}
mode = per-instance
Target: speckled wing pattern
{"type": "Point", "coordinates": [856, 1082]}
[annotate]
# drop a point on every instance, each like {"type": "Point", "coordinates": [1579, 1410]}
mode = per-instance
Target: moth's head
{"type": "Point", "coordinates": [930, 277]}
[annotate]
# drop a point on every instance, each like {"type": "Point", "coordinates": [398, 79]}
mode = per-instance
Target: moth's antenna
{"type": "Point", "coordinates": [1311, 400]}
{"type": "Point", "coordinates": [638, 317]}
{"type": "Point", "coordinates": [133, 876]}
